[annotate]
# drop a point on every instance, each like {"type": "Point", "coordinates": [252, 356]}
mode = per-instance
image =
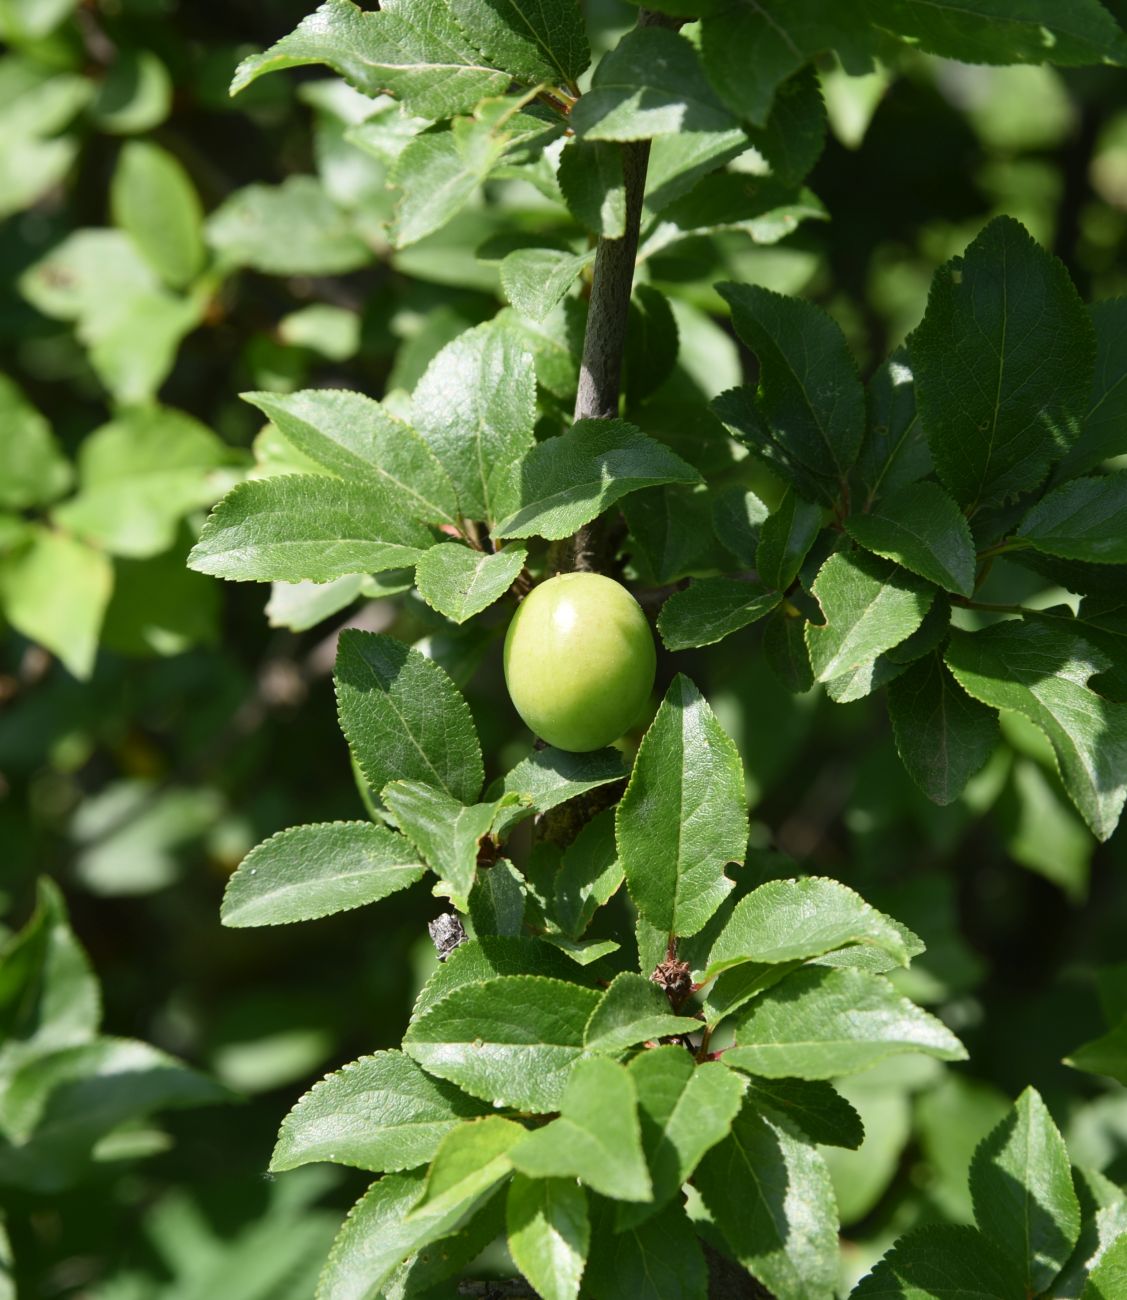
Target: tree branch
{"type": "Point", "coordinates": [604, 343]}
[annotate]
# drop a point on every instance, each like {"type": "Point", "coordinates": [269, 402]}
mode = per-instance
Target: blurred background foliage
{"type": "Point", "coordinates": [154, 724]}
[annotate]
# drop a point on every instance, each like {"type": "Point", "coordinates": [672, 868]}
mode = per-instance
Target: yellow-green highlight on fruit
{"type": "Point", "coordinates": [579, 661]}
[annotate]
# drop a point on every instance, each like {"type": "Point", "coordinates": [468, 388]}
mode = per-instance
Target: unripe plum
{"type": "Point", "coordinates": [579, 661]}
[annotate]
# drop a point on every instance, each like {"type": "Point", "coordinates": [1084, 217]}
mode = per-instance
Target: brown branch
{"type": "Point", "coordinates": [604, 342]}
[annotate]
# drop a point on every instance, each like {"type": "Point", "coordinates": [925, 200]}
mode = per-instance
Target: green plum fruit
{"type": "Point", "coordinates": [579, 661]}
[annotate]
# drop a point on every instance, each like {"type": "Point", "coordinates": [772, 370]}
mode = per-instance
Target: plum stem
{"type": "Point", "coordinates": [604, 342]}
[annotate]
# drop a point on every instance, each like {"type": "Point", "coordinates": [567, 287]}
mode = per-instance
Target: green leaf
{"type": "Point", "coordinates": [154, 201]}
{"type": "Point", "coordinates": [819, 1022]}
{"type": "Point", "coordinates": [712, 608]}
{"type": "Point", "coordinates": [381, 1232]}
{"type": "Point", "coordinates": [460, 582]}
{"type": "Point", "coordinates": [794, 136]}
{"type": "Point", "coordinates": [684, 163]}
{"type": "Point", "coordinates": [7, 1265]}
{"type": "Point", "coordinates": [302, 605]}
{"type": "Point", "coordinates": [312, 871]}
{"type": "Point", "coordinates": [450, 1257]}
{"type": "Point", "coordinates": [690, 204]}
{"type": "Point", "coordinates": [685, 1109]}
{"type": "Point", "coordinates": [749, 51]}
{"type": "Point", "coordinates": [863, 679]}
{"type": "Point", "coordinates": [921, 528]}
{"type": "Point", "coordinates": [470, 1160]}
{"type": "Point", "coordinates": [869, 606]}
{"type": "Point", "coordinates": [769, 1193]}
{"type": "Point", "coordinates": [784, 649]}
{"type": "Point", "coordinates": [139, 476]}
{"type": "Point", "coordinates": [289, 229]}
{"type": "Point", "coordinates": [813, 1107]}
{"type": "Point", "coordinates": [445, 831]}
{"type": "Point", "coordinates": [1102, 620]}
{"type": "Point", "coordinates": [650, 84]}
{"type": "Point", "coordinates": [659, 1259]}
{"type": "Point", "coordinates": [306, 527]}
{"type": "Point", "coordinates": [550, 777]}
{"type": "Point", "coordinates": [356, 438]}
{"type": "Point", "coordinates": [439, 172]}
{"type": "Point", "coordinates": [684, 814]}
{"type": "Point", "coordinates": [159, 607]}
{"type": "Point", "coordinates": [653, 342]}
{"type": "Point", "coordinates": [1102, 436]}
{"type": "Point", "coordinates": [72, 281]}
{"type": "Point", "coordinates": [591, 177]}
{"type": "Point", "coordinates": [632, 1010]}
{"type": "Point", "coordinates": [807, 417]}
{"type": "Point", "coordinates": [34, 157]}
{"type": "Point", "coordinates": [1003, 366]}
{"type": "Point", "coordinates": [331, 332]}
{"type": "Point", "coordinates": [33, 469]}
{"type": "Point", "coordinates": [1073, 575]}
{"type": "Point", "coordinates": [1042, 672]}
{"type": "Point", "coordinates": [535, 40]}
{"type": "Point", "coordinates": [1040, 829]}
{"type": "Point", "coordinates": [497, 904]}
{"type": "Point", "coordinates": [1103, 1235]}
{"type": "Point", "coordinates": [442, 169]}
{"type": "Point", "coordinates": [1006, 31]}
{"type": "Point", "coordinates": [671, 531]}
{"type": "Point", "coordinates": [737, 519]}
{"type": "Point", "coordinates": [944, 1262]}
{"type": "Point", "coordinates": [589, 874]}
{"type": "Point", "coordinates": [791, 920]}
{"type": "Point", "coordinates": [1024, 1200]}
{"type": "Point", "coordinates": [476, 407]}
{"type": "Point", "coordinates": [485, 958]}
{"type": "Point", "coordinates": [423, 58]}
{"type": "Point", "coordinates": [23, 21]}
{"type": "Point", "coordinates": [404, 719]}
{"type": "Point", "coordinates": [597, 1138]}
{"type": "Point", "coordinates": [785, 539]}
{"type": "Point", "coordinates": [55, 590]}
{"type": "Point", "coordinates": [1085, 519]}
{"type": "Point", "coordinates": [511, 1039]}
{"type": "Point", "coordinates": [1109, 1277]}
{"type": "Point", "coordinates": [375, 1239]}
{"type": "Point", "coordinates": [129, 323]}
{"type": "Point", "coordinates": [943, 735]}
{"type": "Point", "coordinates": [739, 985]}
{"type": "Point", "coordinates": [536, 279]}
{"type": "Point", "coordinates": [135, 95]}
{"type": "Point", "coordinates": [49, 995]}
{"type": "Point", "coordinates": [59, 1106]}
{"type": "Point", "coordinates": [930, 636]}
{"type": "Point", "coordinates": [549, 1234]}
{"type": "Point", "coordinates": [380, 1112]}
{"type": "Point", "coordinates": [566, 481]}
{"type": "Point", "coordinates": [861, 1179]}
{"type": "Point", "coordinates": [1106, 1055]}
{"type": "Point", "coordinates": [895, 451]}
{"type": "Point", "coordinates": [584, 952]}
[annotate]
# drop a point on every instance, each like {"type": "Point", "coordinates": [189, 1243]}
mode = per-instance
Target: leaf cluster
{"type": "Point", "coordinates": [549, 1064]}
